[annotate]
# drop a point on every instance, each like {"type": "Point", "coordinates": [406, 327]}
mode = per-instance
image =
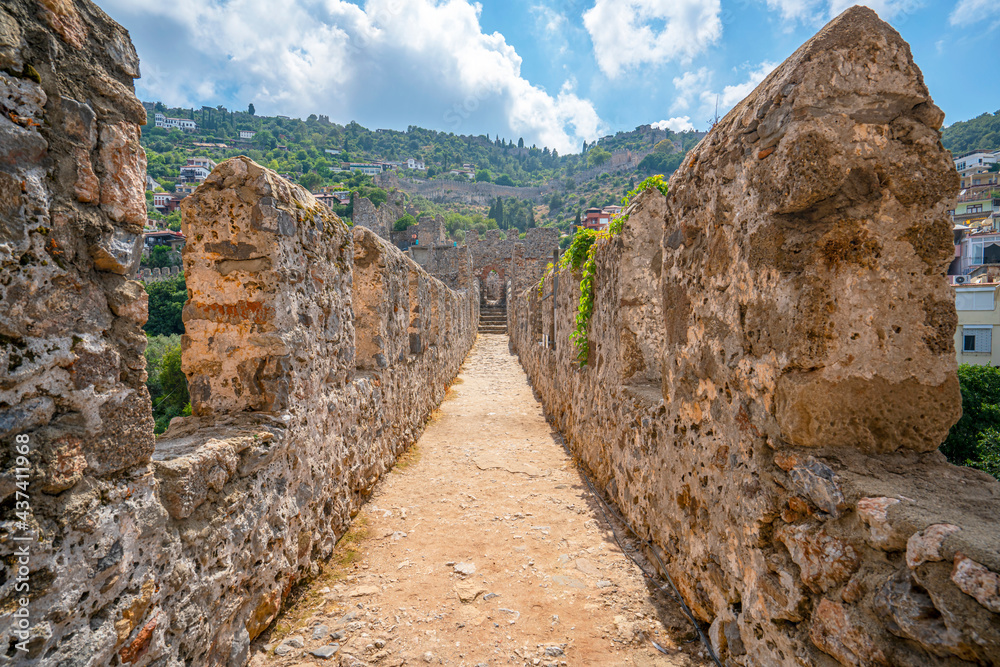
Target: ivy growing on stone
{"type": "Point", "coordinates": [585, 309]}
{"type": "Point", "coordinates": [580, 257]}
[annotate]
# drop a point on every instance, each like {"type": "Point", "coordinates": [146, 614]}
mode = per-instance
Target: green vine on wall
{"type": "Point", "coordinates": [585, 309]}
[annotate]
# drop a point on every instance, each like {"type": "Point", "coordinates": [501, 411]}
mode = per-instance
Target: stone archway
{"type": "Point", "coordinates": [494, 288]}
{"type": "Point", "coordinates": [492, 285]}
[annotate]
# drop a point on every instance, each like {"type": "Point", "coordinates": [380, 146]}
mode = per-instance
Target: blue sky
{"type": "Point", "coordinates": [555, 72]}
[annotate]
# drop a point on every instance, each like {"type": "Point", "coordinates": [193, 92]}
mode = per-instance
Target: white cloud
{"type": "Point", "coordinates": [630, 33]}
{"type": "Point", "coordinates": [793, 10]}
{"type": "Point", "coordinates": [820, 11]}
{"type": "Point", "coordinates": [680, 124]}
{"type": "Point", "coordinates": [551, 26]}
{"type": "Point", "coordinates": [734, 94]}
{"type": "Point", "coordinates": [332, 57]}
{"type": "Point", "coordinates": [693, 89]}
{"type": "Point", "coordinates": [688, 86]}
{"type": "Point", "coordinates": [553, 21]}
{"type": "Point", "coordinates": [970, 12]}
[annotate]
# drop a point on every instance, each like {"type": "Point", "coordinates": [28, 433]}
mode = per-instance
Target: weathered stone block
{"type": "Point", "coordinates": [875, 513]}
{"type": "Point", "coordinates": [19, 145]}
{"type": "Point", "coordinates": [30, 414]}
{"type": "Point", "coordinates": [123, 177]}
{"type": "Point", "coordinates": [925, 545]}
{"type": "Point", "coordinates": [126, 435]}
{"type": "Point", "coordinates": [824, 561]}
{"type": "Point", "coordinates": [978, 581]}
{"type": "Point", "coordinates": [835, 633]}
{"type": "Point", "coordinates": [118, 252]}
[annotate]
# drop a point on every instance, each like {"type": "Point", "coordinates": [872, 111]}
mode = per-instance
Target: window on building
{"type": "Point", "coordinates": [974, 208]}
{"type": "Point", "coordinates": [974, 299]}
{"type": "Point", "coordinates": [977, 339]}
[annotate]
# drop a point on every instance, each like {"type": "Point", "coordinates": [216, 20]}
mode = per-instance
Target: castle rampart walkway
{"type": "Point", "coordinates": [491, 487]}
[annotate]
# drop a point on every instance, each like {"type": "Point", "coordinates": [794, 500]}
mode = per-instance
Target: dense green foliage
{"type": "Point", "coordinates": [162, 256]}
{"type": "Point", "coordinates": [980, 132]}
{"type": "Point", "coordinates": [597, 156]}
{"type": "Point", "coordinates": [975, 440]}
{"type": "Point", "coordinates": [581, 255]}
{"type": "Point", "coordinates": [167, 384]}
{"type": "Point", "coordinates": [512, 213]}
{"type": "Point", "coordinates": [309, 151]}
{"type": "Point", "coordinates": [576, 254]}
{"type": "Point", "coordinates": [166, 300]}
{"type": "Point", "coordinates": [404, 222]}
{"type": "Point", "coordinates": [662, 163]}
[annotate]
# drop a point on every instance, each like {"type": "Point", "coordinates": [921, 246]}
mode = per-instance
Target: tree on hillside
{"type": "Point", "coordinates": [496, 212]}
{"type": "Point", "coordinates": [555, 201]}
{"type": "Point", "coordinates": [504, 179]}
{"type": "Point", "coordinates": [162, 256]}
{"type": "Point", "coordinates": [311, 181]}
{"type": "Point", "coordinates": [166, 382]}
{"type": "Point", "coordinates": [404, 222]}
{"type": "Point", "coordinates": [975, 439]}
{"type": "Point", "coordinates": [520, 143]}
{"type": "Point", "coordinates": [597, 156]}
{"type": "Point", "coordinates": [166, 300]}
{"type": "Point", "coordinates": [983, 132]}
{"type": "Point", "coordinates": [265, 139]}
{"type": "Point", "coordinates": [660, 163]}
{"type": "Point", "coordinates": [482, 176]}
{"type": "Point", "coordinates": [251, 110]}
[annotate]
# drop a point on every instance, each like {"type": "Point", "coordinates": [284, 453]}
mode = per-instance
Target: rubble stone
{"type": "Point", "coordinates": [182, 549]}
{"type": "Point", "coordinates": [978, 581]}
{"type": "Point", "coordinates": [798, 364]}
{"type": "Point", "coordinates": [926, 545]}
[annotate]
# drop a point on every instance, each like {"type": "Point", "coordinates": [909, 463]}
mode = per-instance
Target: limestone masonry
{"type": "Point", "coordinates": [771, 372]}
{"type": "Point", "coordinates": [314, 353]}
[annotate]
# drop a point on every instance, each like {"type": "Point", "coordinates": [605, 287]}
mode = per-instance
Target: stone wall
{"type": "Point", "coordinates": [771, 371]}
{"type": "Point", "coordinates": [620, 160]}
{"type": "Point", "coordinates": [379, 219]}
{"type": "Point", "coordinates": [524, 259]}
{"type": "Point", "coordinates": [179, 550]}
{"type": "Point", "coordinates": [431, 231]}
{"type": "Point", "coordinates": [452, 265]}
{"type": "Point", "coordinates": [156, 275]}
{"type": "Point", "coordinates": [468, 192]}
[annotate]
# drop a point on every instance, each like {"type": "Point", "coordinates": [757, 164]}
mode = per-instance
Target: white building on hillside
{"type": "Point", "coordinates": [184, 124]}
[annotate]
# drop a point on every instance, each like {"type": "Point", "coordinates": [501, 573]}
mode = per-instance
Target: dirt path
{"type": "Point", "coordinates": [484, 547]}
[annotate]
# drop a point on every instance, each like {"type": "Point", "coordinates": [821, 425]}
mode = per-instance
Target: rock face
{"type": "Point", "coordinates": [770, 372]}
{"type": "Point", "coordinates": [379, 219]}
{"type": "Point", "coordinates": [181, 550]}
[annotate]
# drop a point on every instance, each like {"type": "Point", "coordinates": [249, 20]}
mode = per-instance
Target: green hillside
{"type": "Point", "coordinates": [968, 135]}
{"type": "Point", "coordinates": [303, 150]}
